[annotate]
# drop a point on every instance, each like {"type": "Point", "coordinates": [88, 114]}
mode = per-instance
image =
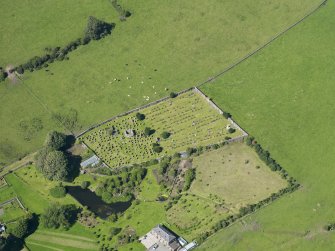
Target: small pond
{"type": "Point", "coordinates": [95, 204]}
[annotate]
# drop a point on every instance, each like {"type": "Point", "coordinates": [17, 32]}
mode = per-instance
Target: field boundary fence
{"type": "Point", "coordinates": [239, 61]}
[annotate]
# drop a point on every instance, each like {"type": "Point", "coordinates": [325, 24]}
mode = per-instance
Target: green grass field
{"type": "Point", "coordinates": [55, 240]}
{"type": "Point", "coordinates": [11, 212]}
{"type": "Point", "coordinates": [40, 24]}
{"type": "Point", "coordinates": [284, 97]}
{"type": "Point", "coordinates": [189, 119]}
{"type": "Point", "coordinates": [173, 56]}
{"type": "Point", "coordinates": [236, 175]}
{"type": "Point", "coordinates": [193, 215]}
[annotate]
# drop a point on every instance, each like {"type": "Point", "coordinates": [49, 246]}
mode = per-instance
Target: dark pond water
{"type": "Point", "coordinates": [95, 204]}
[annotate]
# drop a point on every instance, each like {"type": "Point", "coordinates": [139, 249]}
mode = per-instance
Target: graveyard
{"type": "Point", "coordinates": [172, 125]}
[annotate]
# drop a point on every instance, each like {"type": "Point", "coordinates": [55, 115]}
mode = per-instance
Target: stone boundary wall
{"type": "Point", "coordinates": [245, 134]}
{"type": "Point", "coordinates": [210, 79]}
{"type": "Point", "coordinates": [11, 200]}
{"type": "Point", "coordinates": [130, 111]}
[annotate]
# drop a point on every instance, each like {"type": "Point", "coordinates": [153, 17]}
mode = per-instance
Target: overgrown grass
{"type": "Point", "coordinates": [284, 96]}
{"type": "Point", "coordinates": [193, 215]}
{"type": "Point", "coordinates": [235, 175]}
{"type": "Point", "coordinates": [175, 55]}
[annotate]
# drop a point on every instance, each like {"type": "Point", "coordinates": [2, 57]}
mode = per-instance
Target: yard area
{"type": "Point", "coordinates": [235, 175]}
{"type": "Point", "coordinates": [189, 119]}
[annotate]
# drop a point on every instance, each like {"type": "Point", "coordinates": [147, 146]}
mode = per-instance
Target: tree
{"type": "Point", "coordinates": [55, 140]}
{"type": "Point", "coordinates": [58, 191]}
{"type": "Point", "coordinates": [40, 158]}
{"type": "Point", "coordinates": [56, 166]}
{"type": "Point", "coordinates": [140, 116]}
{"type": "Point", "coordinates": [165, 135]}
{"type": "Point", "coordinates": [20, 230]}
{"type": "Point", "coordinates": [56, 216]}
{"type": "Point", "coordinates": [97, 29]}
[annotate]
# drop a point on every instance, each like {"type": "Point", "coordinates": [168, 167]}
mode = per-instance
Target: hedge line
{"type": "Point", "coordinates": [95, 30]}
{"type": "Point", "coordinates": [274, 166]}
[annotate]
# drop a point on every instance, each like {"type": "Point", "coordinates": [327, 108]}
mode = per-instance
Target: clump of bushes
{"type": "Point", "coordinates": [173, 95]}
{"type": "Point", "coordinates": [120, 187]}
{"type": "Point", "coordinates": [330, 227]}
{"type": "Point", "coordinates": [226, 114]}
{"type": "Point", "coordinates": [58, 191]}
{"type": "Point", "coordinates": [3, 75]}
{"type": "Point", "coordinates": [189, 177]}
{"type": "Point", "coordinates": [122, 12]}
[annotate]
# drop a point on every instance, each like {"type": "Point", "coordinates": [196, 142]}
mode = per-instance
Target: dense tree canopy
{"type": "Point", "coordinates": [21, 228]}
{"type": "Point", "coordinates": [55, 166]}
{"type": "Point", "coordinates": [121, 186]}
{"type": "Point", "coordinates": [56, 216]}
{"type": "Point", "coordinates": [97, 29]}
{"type": "Point", "coordinates": [55, 140]}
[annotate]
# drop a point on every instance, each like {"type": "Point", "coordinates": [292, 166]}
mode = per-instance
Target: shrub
{"type": "Point", "coordinates": [58, 191]}
{"type": "Point", "coordinates": [148, 131]}
{"type": "Point", "coordinates": [231, 130]}
{"type": "Point", "coordinates": [165, 135]}
{"type": "Point", "coordinates": [3, 75]}
{"type": "Point", "coordinates": [157, 148]}
{"type": "Point", "coordinates": [85, 184]}
{"type": "Point", "coordinates": [122, 12]}
{"type": "Point", "coordinates": [226, 114]}
{"type": "Point", "coordinates": [140, 116]}
{"type": "Point", "coordinates": [173, 95]}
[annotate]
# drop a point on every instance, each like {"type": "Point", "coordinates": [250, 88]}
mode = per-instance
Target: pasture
{"type": "Point", "coordinates": [189, 119]}
{"type": "Point", "coordinates": [284, 96]}
{"type": "Point", "coordinates": [173, 56]}
{"type": "Point", "coordinates": [235, 175]}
